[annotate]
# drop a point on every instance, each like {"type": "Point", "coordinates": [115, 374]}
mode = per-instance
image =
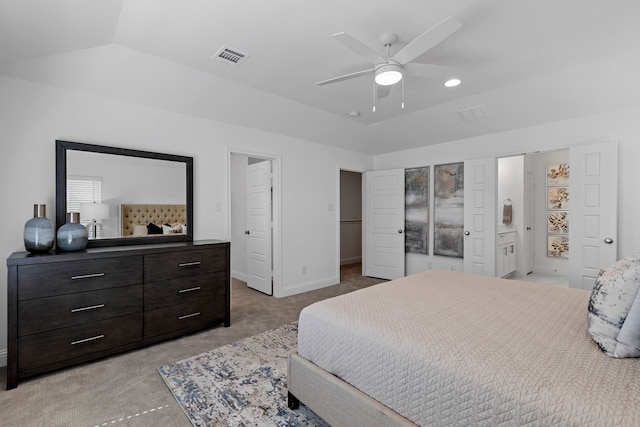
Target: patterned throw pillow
{"type": "Point", "coordinates": [614, 309]}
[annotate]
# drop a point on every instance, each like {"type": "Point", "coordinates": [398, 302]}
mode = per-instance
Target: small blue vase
{"type": "Point", "coordinates": [72, 236]}
{"type": "Point", "coordinates": [39, 232]}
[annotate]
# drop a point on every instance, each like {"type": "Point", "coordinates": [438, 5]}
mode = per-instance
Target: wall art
{"type": "Point", "coordinates": [448, 204]}
{"type": "Point", "coordinates": [416, 210]}
{"type": "Point", "coordinates": [558, 246]}
{"type": "Point", "coordinates": [557, 198]}
{"type": "Point", "coordinates": [558, 174]}
{"type": "Point", "coordinates": [558, 222]}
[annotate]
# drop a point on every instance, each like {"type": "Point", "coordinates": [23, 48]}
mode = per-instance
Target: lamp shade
{"type": "Point", "coordinates": [94, 211]}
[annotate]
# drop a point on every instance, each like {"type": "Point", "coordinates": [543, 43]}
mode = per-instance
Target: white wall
{"type": "Point", "coordinates": [33, 116]}
{"type": "Point", "coordinates": [622, 126]}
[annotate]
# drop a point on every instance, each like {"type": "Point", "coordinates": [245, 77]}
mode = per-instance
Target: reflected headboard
{"type": "Point", "coordinates": [144, 214]}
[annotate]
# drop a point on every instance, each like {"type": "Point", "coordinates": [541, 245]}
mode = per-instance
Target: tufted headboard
{"type": "Point", "coordinates": [144, 214]}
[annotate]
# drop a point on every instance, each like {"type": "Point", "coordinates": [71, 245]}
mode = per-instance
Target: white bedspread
{"type": "Point", "coordinates": [445, 348]}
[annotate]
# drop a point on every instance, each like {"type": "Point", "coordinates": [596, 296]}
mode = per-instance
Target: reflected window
{"type": "Point", "coordinates": [84, 189]}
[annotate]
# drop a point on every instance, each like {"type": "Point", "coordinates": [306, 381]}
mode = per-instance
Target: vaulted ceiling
{"type": "Point", "coordinates": [523, 62]}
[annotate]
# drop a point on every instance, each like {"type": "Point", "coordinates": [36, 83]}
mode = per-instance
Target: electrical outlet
{"type": "Point", "coordinates": [304, 269]}
{"type": "Point", "coordinates": [429, 266]}
{"type": "Point", "coordinates": [452, 267]}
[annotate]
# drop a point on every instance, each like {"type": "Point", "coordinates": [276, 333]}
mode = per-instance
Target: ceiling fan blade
{"type": "Point", "coordinates": [430, 71]}
{"type": "Point", "coordinates": [383, 91]}
{"type": "Point", "coordinates": [360, 48]}
{"type": "Point", "coordinates": [347, 77]}
{"type": "Point", "coordinates": [427, 40]}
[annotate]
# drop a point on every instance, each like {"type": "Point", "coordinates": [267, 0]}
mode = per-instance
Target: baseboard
{"type": "Point", "coordinates": [239, 276]}
{"type": "Point", "coordinates": [309, 286]}
{"type": "Point", "coordinates": [351, 260]}
{"type": "Point", "coordinates": [550, 270]}
{"type": "Point", "coordinates": [3, 357]}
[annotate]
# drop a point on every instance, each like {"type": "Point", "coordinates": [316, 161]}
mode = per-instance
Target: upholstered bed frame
{"type": "Point", "coordinates": [144, 214]}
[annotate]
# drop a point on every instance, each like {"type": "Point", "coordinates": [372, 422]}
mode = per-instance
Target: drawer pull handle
{"type": "Point", "coordinates": [97, 337]}
{"type": "Point", "coordinates": [186, 316]}
{"type": "Point", "coordinates": [189, 264]}
{"type": "Point", "coordinates": [87, 276]}
{"type": "Point", "coordinates": [197, 288]}
{"type": "Point", "coordinates": [92, 307]}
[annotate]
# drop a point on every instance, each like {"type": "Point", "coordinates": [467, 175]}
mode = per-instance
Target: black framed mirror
{"type": "Point", "coordinates": [135, 197]}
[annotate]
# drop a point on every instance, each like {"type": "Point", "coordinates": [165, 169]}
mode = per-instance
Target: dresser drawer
{"type": "Point", "coordinates": [187, 289]}
{"type": "Point", "coordinates": [43, 314]}
{"type": "Point", "coordinates": [172, 265]}
{"type": "Point", "coordinates": [49, 279]}
{"type": "Point", "coordinates": [184, 317]}
{"type": "Point", "coordinates": [54, 346]}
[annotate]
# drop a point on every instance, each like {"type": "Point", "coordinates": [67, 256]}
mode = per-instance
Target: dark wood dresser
{"type": "Point", "coordinates": [72, 307]}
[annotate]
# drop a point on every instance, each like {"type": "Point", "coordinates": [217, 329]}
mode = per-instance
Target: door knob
{"type": "Point", "coordinates": [466, 233]}
{"type": "Point", "coordinates": [528, 228]}
{"type": "Point", "coordinates": [608, 240]}
{"type": "Point", "coordinates": [400, 230]}
{"type": "Point", "coordinates": [247, 232]}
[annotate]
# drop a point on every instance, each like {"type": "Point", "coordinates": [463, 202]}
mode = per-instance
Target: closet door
{"type": "Point", "coordinates": [384, 224]}
{"type": "Point", "coordinates": [593, 192]}
{"type": "Point", "coordinates": [480, 188]}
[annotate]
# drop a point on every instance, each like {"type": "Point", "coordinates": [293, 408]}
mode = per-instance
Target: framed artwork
{"type": "Point", "coordinates": [557, 198]}
{"type": "Point", "coordinates": [558, 174]}
{"type": "Point", "coordinates": [416, 210]}
{"type": "Point", "coordinates": [448, 209]}
{"type": "Point", "coordinates": [558, 246]}
{"type": "Point", "coordinates": [558, 222]}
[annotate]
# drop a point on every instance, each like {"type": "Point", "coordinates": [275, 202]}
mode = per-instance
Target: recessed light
{"type": "Point", "coordinates": [452, 82]}
{"type": "Point", "coordinates": [354, 113]}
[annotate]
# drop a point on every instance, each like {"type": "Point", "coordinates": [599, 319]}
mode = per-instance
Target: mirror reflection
{"type": "Point", "coordinates": [119, 196]}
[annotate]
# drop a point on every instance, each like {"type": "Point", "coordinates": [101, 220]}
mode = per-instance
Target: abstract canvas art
{"type": "Point", "coordinates": [416, 210]}
{"type": "Point", "coordinates": [448, 199]}
{"type": "Point", "coordinates": [558, 246]}
{"type": "Point", "coordinates": [557, 198]}
{"type": "Point", "coordinates": [558, 174]}
{"type": "Point", "coordinates": [558, 222]}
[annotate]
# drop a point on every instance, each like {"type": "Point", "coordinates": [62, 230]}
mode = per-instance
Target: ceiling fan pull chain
{"type": "Point", "coordinates": [375, 93]}
{"type": "Point", "coordinates": [402, 105]}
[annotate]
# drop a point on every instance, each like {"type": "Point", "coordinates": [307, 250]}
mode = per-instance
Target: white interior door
{"type": "Point", "coordinates": [593, 190]}
{"type": "Point", "coordinates": [258, 231]}
{"type": "Point", "coordinates": [480, 187]}
{"type": "Point", "coordinates": [528, 236]}
{"type": "Point", "coordinates": [384, 224]}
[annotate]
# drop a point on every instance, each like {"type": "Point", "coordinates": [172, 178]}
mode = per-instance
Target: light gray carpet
{"type": "Point", "coordinates": [240, 384]}
{"type": "Point", "coordinates": [126, 390]}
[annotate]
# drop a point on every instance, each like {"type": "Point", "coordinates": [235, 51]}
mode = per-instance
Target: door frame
{"type": "Point", "coordinates": [276, 167]}
{"type": "Point", "coordinates": [337, 212]}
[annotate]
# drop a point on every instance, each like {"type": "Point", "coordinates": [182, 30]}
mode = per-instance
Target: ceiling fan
{"type": "Point", "coordinates": [391, 70]}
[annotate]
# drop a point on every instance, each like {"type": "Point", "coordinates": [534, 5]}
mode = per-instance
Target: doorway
{"type": "Point", "coordinates": [350, 224]}
{"type": "Point", "coordinates": [254, 194]}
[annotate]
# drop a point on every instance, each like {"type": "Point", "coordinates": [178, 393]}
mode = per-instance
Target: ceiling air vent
{"type": "Point", "coordinates": [230, 56]}
{"type": "Point", "coordinates": [473, 113]}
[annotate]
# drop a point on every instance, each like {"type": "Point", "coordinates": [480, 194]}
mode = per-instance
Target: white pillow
{"type": "Point", "coordinates": [140, 230]}
{"type": "Point", "coordinates": [614, 309]}
{"type": "Point", "coordinates": [166, 229]}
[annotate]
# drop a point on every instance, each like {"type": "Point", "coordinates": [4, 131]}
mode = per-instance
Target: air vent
{"type": "Point", "coordinates": [230, 56]}
{"type": "Point", "coordinates": [473, 113]}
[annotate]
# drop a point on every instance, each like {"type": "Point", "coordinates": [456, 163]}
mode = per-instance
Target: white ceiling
{"type": "Point", "coordinates": [525, 62]}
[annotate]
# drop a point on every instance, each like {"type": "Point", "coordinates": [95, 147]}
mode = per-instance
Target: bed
{"type": "Point", "coordinates": [166, 219]}
{"type": "Point", "coordinates": [448, 348]}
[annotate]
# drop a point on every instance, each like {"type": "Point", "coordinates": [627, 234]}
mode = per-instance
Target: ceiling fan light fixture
{"type": "Point", "coordinates": [388, 74]}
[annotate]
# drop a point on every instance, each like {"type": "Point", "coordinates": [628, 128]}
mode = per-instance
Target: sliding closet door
{"type": "Point", "coordinates": [384, 224]}
{"type": "Point", "coordinates": [480, 187]}
{"type": "Point", "coordinates": [593, 190]}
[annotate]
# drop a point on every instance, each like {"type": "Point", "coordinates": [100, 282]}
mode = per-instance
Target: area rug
{"type": "Point", "coordinates": [240, 384]}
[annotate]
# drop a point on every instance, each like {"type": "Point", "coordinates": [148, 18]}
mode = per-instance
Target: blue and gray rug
{"type": "Point", "coordinates": [240, 384]}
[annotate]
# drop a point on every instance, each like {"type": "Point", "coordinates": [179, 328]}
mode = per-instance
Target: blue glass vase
{"type": "Point", "coordinates": [72, 236]}
{"type": "Point", "coordinates": [39, 232]}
